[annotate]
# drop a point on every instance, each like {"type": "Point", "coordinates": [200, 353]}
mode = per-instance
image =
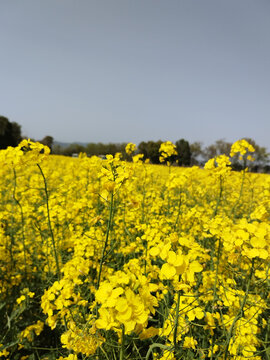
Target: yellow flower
{"type": "Point", "coordinates": [148, 333]}
{"type": "Point", "coordinates": [130, 148]}
{"type": "Point", "coordinates": [242, 147]}
{"type": "Point", "coordinates": [21, 299]}
{"type": "Point", "coordinates": [167, 149]}
{"type": "Point", "coordinates": [29, 331]}
{"type": "Point", "coordinates": [219, 166]}
{"type": "Point", "coordinates": [190, 342]}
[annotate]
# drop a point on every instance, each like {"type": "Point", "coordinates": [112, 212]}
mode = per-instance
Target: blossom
{"type": "Point", "coordinates": [167, 149]}
{"type": "Point", "coordinates": [130, 148]}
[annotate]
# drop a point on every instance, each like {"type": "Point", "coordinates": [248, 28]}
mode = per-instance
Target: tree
{"type": "Point", "coordinates": [104, 149]}
{"type": "Point", "coordinates": [48, 141]}
{"type": "Point", "coordinates": [220, 147]}
{"type": "Point", "coordinates": [16, 133]}
{"type": "Point", "coordinates": [73, 149]}
{"type": "Point", "coordinates": [196, 153]}
{"type": "Point", "coordinates": [10, 133]}
{"type": "Point", "coordinates": [153, 151]}
{"type": "Point", "coordinates": [183, 151]}
{"type": "Point", "coordinates": [260, 155]}
{"type": "Point", "coordinates": [142, 147]}
{"type": "Point", "coordinates": [150, 150]}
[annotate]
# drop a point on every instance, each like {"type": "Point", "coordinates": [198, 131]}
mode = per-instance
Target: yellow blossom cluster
{"type": "Point", "coordinates": [167, 149]}
{"type": "Point", "coordinates": [31, 330]}
{"type": "Point", "coordinates": [242, 147]}
{"type": "Point", "coordinates": [108, 259]}
{"type": "Point", "coordinates": [220, 165]}
{"type": "Point", "coordinates": [125, 300]}
{"type": "Point", "coordinates": [130, 148]}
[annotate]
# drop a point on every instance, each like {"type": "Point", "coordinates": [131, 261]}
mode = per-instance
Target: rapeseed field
{"type": "Point", "coordinates": [108, 259]}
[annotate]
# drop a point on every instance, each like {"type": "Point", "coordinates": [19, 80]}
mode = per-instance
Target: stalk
{"type": "Point", "coordinates": [122, 344]}
{"type": "Point", "coordinates": [215, 291]}
{"type": "Point", "coordinates": [169, 197]}
{"type": "Point", "coordinates": [240, 195]}
{"type": "Point", "coordinates": [216, 275]}
{"type": "Point", "coordinates": [267, 349]}
{"type": "Point", "coordinates": [49, 221]}
{"type": "Point", "coordinates": [240, 313]}
{"type": "Point", "coordinates": [106, 239]}
{"type": "Point", "coordinates": [143, 205]}
{"type": "Point", "coordinates": [143, 200]}
{"type": "Point", "coordinates": [176, 322]}
{"type": "Point", "coordinates": [22, 220]}
{"type": "Point", "coordinates": [219, 197]}
{"type": "Point", "coordinates": [156, 345]}
{"type": "Point", "coordinates": [179, 209]}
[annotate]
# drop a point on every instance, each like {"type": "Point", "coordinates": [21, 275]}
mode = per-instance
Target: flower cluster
{"type": "Point", "coordinates": [219, 166]}
{"type": "Point", "coordinates": [242, 147]}
{"type": "Point", "coordinates": [125, 300]}
{"type": "Point", "coordinates": [105, 259]}
{"type": "Point", "coordinates": [130, 148]}
{"type": "Point", "coordinates": [167, 150]}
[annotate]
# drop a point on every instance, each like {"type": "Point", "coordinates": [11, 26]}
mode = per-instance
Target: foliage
{"type": "Point", "coordinates": [196, 153]}
{"type": "Point", "coordinates": [150, 150]}
{"type": "Point", "coordinates": [220, 147]}
{"type": "Point", "coordinates": [261, 157]}
{"type": "Point", "coordinates": [48, 141]}
{"type": "Point", "coordinates": [184, 152]}
{"type": "Point", "coordinates": [10, 133]}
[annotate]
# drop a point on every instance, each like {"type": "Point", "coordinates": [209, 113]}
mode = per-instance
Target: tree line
{"type": "Point", "coordinates": [187, 154]}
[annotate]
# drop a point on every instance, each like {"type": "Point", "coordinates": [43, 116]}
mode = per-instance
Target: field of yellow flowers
{"type": "Point", "coordinates": [106, 259]}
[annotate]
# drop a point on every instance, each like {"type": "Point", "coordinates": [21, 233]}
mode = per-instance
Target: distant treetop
{"type": "Point", "coordinates": [10, 133]}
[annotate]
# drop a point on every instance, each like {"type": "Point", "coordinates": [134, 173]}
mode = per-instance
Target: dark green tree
{"type": "Point", "coordinates": [150, 150]}
{"type": "Point", "coordinates": [10, 133]}
{"type": "Point", "coordinates": [153, 151]}
{"type": "Point", "coordinates": [142, 148]}
{"type": "Point", "coordinates": [48, 141]}
{"type": "Point", "coordinates": [73, 149]}
{"type": "Point", "coordinates": [183, 152]}
{"type": "Point", "coordinates": [104, 149]}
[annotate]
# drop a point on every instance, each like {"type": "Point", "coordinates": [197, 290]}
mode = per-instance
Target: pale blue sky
{"type": "Point", "coordinates": [136, 70]}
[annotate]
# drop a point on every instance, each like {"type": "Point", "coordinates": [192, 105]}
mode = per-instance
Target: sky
{"type": "Point", "coordinates": [136, 70]}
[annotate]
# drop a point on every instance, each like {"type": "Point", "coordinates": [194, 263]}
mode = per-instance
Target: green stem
{"type": "Point", "coordinates": [240, 195]}
{"type": "Point", "coordinates": [240, 313]}
{"type": "Point", "coordinates": [219, 197]}
{"type": "Point", "coordinates": [267, 349]}
{"type": "Point", "coordinates": [22, 219]}
{"type": "Point", "coordinates": [122, 344]}
{"type": "Point", "coordinates": [215, 291]}
{"type": "Point", "coordinates": [49, 221]}
{"type": "Point", "coordinates": [144, 196]}
{"type": "Point", "coordinates": [216, 275]}
{"type": "Point", "coordinates": [155, 345]}
{"type": "Point", "coordinates": [179, 210]}
{"type": "Point", "coordinates": [143, 205]}
{"type": "Point", "coordinates": [169, 197]}
{"type": "Point", "coordinates": [176, 321]}
{"type": "Point", "coordinates": [106, 240]}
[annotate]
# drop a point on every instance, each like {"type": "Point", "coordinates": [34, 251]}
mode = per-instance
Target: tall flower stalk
{"type": "Point", "coordinates": [49, 222]}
